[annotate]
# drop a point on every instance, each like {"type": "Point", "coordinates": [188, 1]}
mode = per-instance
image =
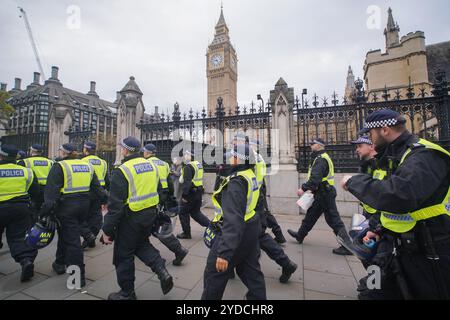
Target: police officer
{"type": "Point", "coordinates": [321, 183]}
{"type": "Point", "coordinates": [269, 219]}
{"type": "Point", "coordinates": [191, 198]}
{"type": "Point", "coordinates": [166, 201]}
{"type": "Point", "coordinates": [16, 185]}
{"type": "Point", "coordinates": [40, 166]}
{"type": "Point", "coordinates": [67, 197]}
{"type": "Point", "coordinates": [267, 243]}
{"type": "Point", "coordinates": [132, 210]}
{"type": "Point", "coordinates": [415, 210]}
{"type": "Point", "coordinates": [237, 246]}
{"type": "Point", "coordinates": [368, 165]}
{"type": "Point", "coordinates": [91, 228]}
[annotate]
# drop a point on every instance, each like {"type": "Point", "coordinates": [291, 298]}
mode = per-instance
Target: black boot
{"type": "Point", "coordinates": [343, 238]}
{"type": "Point", "coordinates": [165, 279]}
{"type": "Point", "coordinates": [362, 285]}
{"type": "Point", "coordinates": [295, 235]}
{"type": "Point", "coordinates": [122, 296]}
{"type": "Point", "coordinates": [288, 270]}
{"type": "Point", "coordinates": [184, 235]}
{"type": "Point", "coordinates": [89, 241]}
{"type": "Point", "coordinates": [179, 256]}
{"type": "Point", "coordinates": [342, 251]}
{"type": "Point", "coordinates": [58, 268]}
{"type": "Point", "coordinates": [27, 270]}
{"type": "Point", "coordinates": [279, 237]}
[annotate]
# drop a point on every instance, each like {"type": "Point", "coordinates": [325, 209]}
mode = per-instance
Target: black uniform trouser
{"type": "Point", "coordinates": [324, 202]}
{"type": "Point", "coordinates": [246, 262]}
{"type": "Point", "coordinates": [15, 219]}
{"type": "Point", "coordinates": [71, 213]}
{"type": "Point", "coordinates": [132, 239]}
{"type": "Point", "coordinates": [172, 243]}
{"type": "Point", "coordinates": [267, 243]}
{"type": "Point", "coordinates": [192, 209]}
{"type": "Point", "coordinates": [94, 221]}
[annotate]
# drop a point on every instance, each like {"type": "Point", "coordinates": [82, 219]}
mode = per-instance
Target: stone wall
{"type": "Point", "coordinates": [346, 203]}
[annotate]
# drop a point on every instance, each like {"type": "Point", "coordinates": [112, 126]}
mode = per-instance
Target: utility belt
{"type": "Point", "coordinates": [413, 241]}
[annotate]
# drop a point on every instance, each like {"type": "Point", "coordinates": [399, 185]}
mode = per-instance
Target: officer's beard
{"type": "Point", "coordinates": [381, 145]}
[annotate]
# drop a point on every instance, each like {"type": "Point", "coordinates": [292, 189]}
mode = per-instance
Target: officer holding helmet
{"type": "Point", "coordinates": [166, 201]}
{"type": "Point", "coordinates": [413, 199]}
{"type": "Point", "coordinates": [16, 185]}
{"type": "Point", "coordinates": [237, 246]}
{"type": "Point", "coordinates": [67, 197]}
{"type": "Point", "coordinates": [132, 211]}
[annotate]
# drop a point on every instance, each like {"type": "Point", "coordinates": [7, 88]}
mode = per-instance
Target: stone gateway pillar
{"type": "Point", "coordinates": [130, 111]}
{"type": "Point", "coordinates": [60, 120]}
{"type": "Point", "coordinates": [282, 182]}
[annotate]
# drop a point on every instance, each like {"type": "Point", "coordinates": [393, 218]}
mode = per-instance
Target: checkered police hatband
{"type": "Point", "coordinates": [382, 123]}
{"type": "Point", "coordinates": [239, 155]}
{"type": "Point", "coordinates": [65, 150]}
{"type": "Point", "coordinates": [365, 140]}
{"type": "Point", "coordinates": [318, 142]}
{"type": "Point", "coordinates": [127, 147]}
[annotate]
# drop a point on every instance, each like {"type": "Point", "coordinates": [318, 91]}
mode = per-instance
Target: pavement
{"type": "Point", "coordinates": [321, 275]}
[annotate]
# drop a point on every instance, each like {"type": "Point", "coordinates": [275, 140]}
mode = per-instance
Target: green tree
{"type": "Point", "coordinates": [6, 110]}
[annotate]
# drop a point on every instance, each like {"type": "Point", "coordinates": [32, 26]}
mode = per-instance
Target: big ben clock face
{"type": "Point", "coordinates": [216, 60]}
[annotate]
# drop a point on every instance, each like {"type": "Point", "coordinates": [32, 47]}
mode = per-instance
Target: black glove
{"type": "Point", "coordinates": [50, 222]}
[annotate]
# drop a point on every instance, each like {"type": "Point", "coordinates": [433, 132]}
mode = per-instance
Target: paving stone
{"type": "Point", "coordinates": [98, 250]}
{"type": "Point", "coordinates": [314, 295]}
{"type": "Point", "coordinates": [322, 259]}
{"type": "Point", "coordinates": [321, 238]}
{"type": "Point", "coordinates": [199, 250]}
{"type": "Point", "coordinates": [235, 290]}
{"type": "Point", "coordinates": [196, 293]}
{"type": "Point", "coordinates": [151, 290]}
{"type": "Point", "coordinates": [82, 296]}
{"type": "Point", "coordinates": [330, 283]}
{"type": "Point", "coordinates": [8, 266]}
{"type": "Point", "coordinates": [54, 288]}
{"type": "Point", "coordinates": [10, 284]}
{"type": "Point", "coordinates": [20, 296]}
{"type": "Point", "coordinates": [279, 291]}
{"type": "Point", "coordinates": [188, 275]}
{"type": "Point", "coordinates": [99, 266]}
{"type": "Point", "coordinates": [108, 284]}
{"type": "Point", "coordinates": [358, 270]}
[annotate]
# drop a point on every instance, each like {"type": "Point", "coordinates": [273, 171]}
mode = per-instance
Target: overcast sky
{"type": "Point", "coordinates": [163, 43]}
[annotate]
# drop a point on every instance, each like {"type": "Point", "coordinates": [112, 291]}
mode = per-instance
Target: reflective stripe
{"type": "Point", "coordinates": [130, 181]}
{"type": "Point", "coordinates": [398, 217]}
{"type": "Point", "coordinates": [144, 197]}
{"type": "Point", "coordinates": [29, 179]}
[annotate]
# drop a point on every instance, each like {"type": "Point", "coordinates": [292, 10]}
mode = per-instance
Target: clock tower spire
{"type": "Point", "coordinates": [221, 68]}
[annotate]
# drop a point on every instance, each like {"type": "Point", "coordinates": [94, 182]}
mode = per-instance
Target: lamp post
{"type": "Point", "coordinates": [304, 93]}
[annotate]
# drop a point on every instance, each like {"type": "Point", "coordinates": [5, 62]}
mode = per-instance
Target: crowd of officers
{"type": "Point", "coordinates": [403, 187]}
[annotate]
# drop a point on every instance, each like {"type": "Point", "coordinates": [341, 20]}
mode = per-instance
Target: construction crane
{"type": "Point", "coordinates": [33, 43]}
